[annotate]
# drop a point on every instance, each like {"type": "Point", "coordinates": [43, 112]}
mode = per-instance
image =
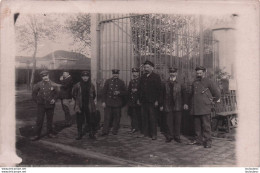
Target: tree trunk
{"type": "Point", "coordinates": [34, 64]}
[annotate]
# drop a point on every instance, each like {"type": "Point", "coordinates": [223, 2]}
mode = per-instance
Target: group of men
{"type": "Point", "coordinates": [145, 96]}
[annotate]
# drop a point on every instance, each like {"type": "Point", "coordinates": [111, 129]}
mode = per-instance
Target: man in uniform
{"type": "Point", "coordinates": [173, 100]}
{"type": "Point", "coordinates": [65, 95]}
{"type": "Point", "coordinates": [45, 95]}
{"type": "Point", "coordinates": [150, 90]}
{"type": "Point", "coordinates": [134, 109]}
{"type": "Point", "coordinates": [204, 93]}
{"type": "Point", "coordinates": [114, 93]}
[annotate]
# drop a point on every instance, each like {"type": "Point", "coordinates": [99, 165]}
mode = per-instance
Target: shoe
{"type": "Point", "coordinates": [194, 142]}
{"type": "Point", "coordinates": [79, 137]}
{"type": "Point", "coordinates": [35, 138]}
{"type": "Point", "coordinates": [154, 138]}
{"type": "Point", "coordinates": [51, 136]}
{"type": "Point", "coordinates": [104, 134]}
{"type": "Point", "coordinates": [177, 140]}
{"type": "Point", "coordinates": [207, 145]}
{"type": "Point", "coordinates": [168, 140]}
{"type": "Point", "coordinates": [92, 136]}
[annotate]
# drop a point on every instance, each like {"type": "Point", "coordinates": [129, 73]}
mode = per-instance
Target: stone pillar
{"type": "Point", "coordinates": [8, 155]}
{"type": "Point", "coordinates": [226, 37]}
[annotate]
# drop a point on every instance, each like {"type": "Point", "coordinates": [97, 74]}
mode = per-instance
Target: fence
{"type": "Point", "coordinates": [127, 40]}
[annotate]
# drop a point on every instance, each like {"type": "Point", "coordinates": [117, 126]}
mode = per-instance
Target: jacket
{"type": "Point", "coordinates": [66, 88]}
{"type": "Point", "coordinates": [150, 88]}
{"type": "Point", "coordinates": [43, 92]}
{"type": "Point", "coordinates": [77, 96]}
{"type": "Point", "coordinates": [173, 101]}
{"type": "Point", "coordinates": [111, 85]}
{"type": "Point", "coordinates": [133, 96]}
{"type": "Point", "coordinates": [204, 93]}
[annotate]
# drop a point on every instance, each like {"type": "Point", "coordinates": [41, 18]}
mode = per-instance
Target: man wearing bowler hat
{"type": "Point", "coordinates": [150, 90]}
{"type": "Point", "coordinates": [114, 93]}
{"type": "Point", "coordinates": [204, 94]}
{"type": "Point", "coordinates": [65, 95]}
{"type": "Point", "coordinates": [173, 99]}
{"type": "Point", "coordinates": [134, 109]}
{"type": "Point", "coordinates": [45, 95]}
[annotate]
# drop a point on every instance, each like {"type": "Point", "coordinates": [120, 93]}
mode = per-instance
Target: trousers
{"type": "Point", "coordinates": [111, 113]}
{"type": "Point", "coordinates": [41, 111]}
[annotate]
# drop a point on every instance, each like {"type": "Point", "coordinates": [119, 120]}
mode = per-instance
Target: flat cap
{"type": "Point", "coordinates": [115, 71]}
{"type": "Point", "coordinates": [44, 73]}
{"type": "Point", "coordinates": [85, 73]}
{"type": "Point", "coordinates": [149, 63]}
{"type": "Point", "coordinates": [135, 69]}
{"type": "Point", "coordinates": [172, 69]}
{"type": "Point", "coordinates": [200, 68]}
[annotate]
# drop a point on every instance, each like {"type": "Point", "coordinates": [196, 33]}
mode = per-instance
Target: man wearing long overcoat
{"type": "Point", "coordinates": [204, 94]}
{"type": "Point", "coordinates": [173, 99]}
{"type": "Point", "coordinates": [150, 90]}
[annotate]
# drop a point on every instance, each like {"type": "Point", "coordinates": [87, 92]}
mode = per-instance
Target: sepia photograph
{"type": "Point", "coordinates": [125, 89]}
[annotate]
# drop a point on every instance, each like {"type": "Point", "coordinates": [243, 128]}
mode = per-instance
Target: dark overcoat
{"type": "Point", "coordinates": [150, 88]}
{"type": "Point", "coordinates": [77, 96]}
{"type": "Point", "coordinates": [66, 88]}
{"type": "Point", "coordinates": [111, 85]}
{"type": "Point", "coordinates": [173, 101]}
{"type": "Point", "coordinates": [204, 93]}
{"type": "Point", "coordinates": [133, 97]}
{"type": "Point", "coordinates": [43, 92]}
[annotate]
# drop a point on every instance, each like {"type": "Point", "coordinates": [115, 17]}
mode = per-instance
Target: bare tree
{"type": "Point", "coordinates": [79, 27]}
{"type": "Point", "coordinates": [30, 31]}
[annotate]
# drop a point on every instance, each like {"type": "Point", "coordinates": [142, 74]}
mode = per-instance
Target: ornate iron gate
{"type": "Point", "coordinates": [127, 40]}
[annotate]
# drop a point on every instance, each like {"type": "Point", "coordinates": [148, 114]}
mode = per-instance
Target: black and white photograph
{"type": "Point", "coordinates": [125, 89]}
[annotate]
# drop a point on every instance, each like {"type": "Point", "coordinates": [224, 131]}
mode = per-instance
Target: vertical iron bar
{"type": "Point", "coordinates": [145, 37]}
{"type": "Point", "coordinates": [150, 36]}
{"type": "Point", "coordinates": [155, 40]}
{"type": "Point", "coordinates": [171, 41]}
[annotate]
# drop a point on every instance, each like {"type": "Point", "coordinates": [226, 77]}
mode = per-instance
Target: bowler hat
{"type": "Point", "coordinates": [115, 71]}
{"type": "Point", "coordinates": [173, 69]}
{"type": "Point", "coordinates": [200, 68]}
{"type": "Point", "coordinates": [149, 63]}
{"type": "Point", "coordinates": [44, 73]}
{"type": "Point", "coordinates": [135, 69]}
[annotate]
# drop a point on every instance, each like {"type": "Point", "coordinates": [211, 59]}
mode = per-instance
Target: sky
{"type": "Point", "coordinates": [63, 40]}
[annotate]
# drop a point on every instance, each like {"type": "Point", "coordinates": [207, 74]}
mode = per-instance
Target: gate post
{"type": "Point", "coordinates": [95, 49]}
{"type": "Point", "coordinates": [201, 39]}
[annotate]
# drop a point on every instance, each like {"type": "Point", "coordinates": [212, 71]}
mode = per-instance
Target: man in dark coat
{"type": "Point", "coordinates": [204, 93]}
{"type": "Point", "coordinates": [150, 90]}
{"type": "Point", "coordinates": [45, 95]}
{"type": "Point", "coordinates": [134, 108]}
{"type": "Point", "coordinates": [114, 98]}
{"type": "Point", "coordinates": [84, 94]}
{"type": "Point", "coordinates": [173, 98]}
{"type": "Point", "coordinates": [65, 95]}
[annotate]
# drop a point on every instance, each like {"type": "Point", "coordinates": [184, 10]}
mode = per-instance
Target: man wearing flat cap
{"type": "Point", "coordinates": [204, 94]}
{"type": "Point", "coordinates": [65, 95]}
{"type": "Point", "coordinates": [114, 93]}
{"type": "Point", "coordinates": [134, 108]}
{"type": "Point", "coordinates": [45, 95]}
{"type": "Point", "coordinates": [173, 99]}
{"type": "Point", "coordinates": [84, 95]}
{"type": "Point", "coordinates": [150, 90]}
